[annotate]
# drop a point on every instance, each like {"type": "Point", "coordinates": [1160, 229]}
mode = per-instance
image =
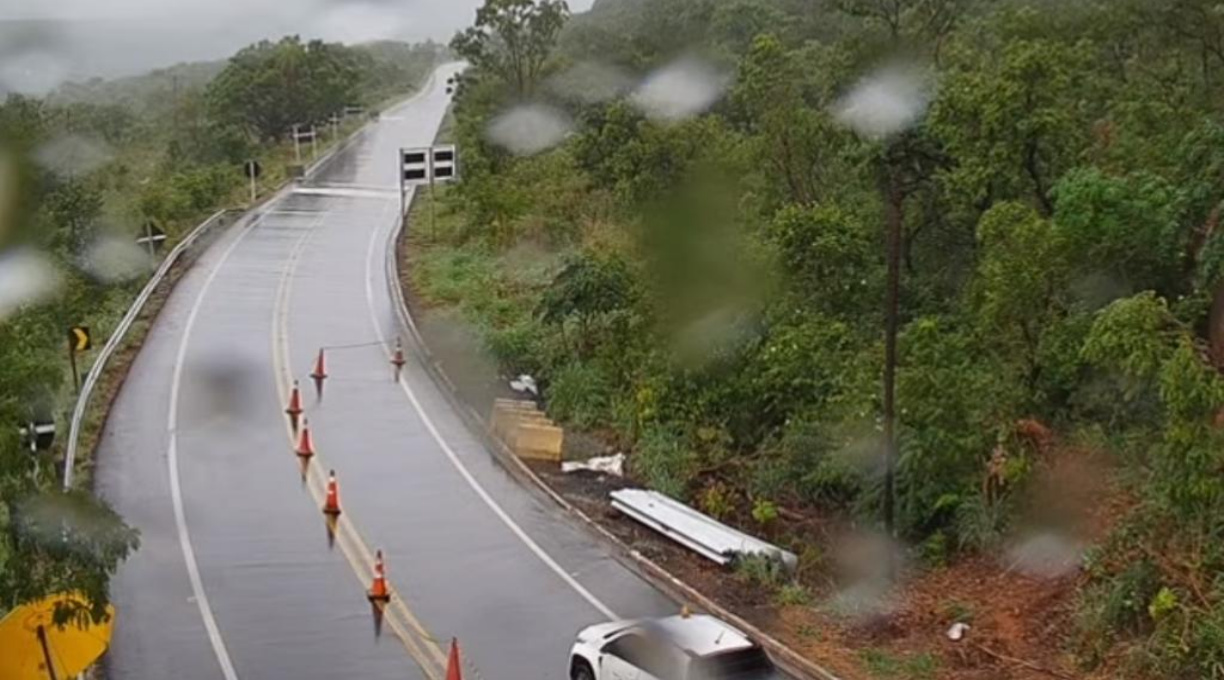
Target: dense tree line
{"type": "Point", "coordinates": [715, 286]}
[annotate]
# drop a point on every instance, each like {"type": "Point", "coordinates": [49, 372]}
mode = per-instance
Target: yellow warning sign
{"type": "Point", "coordinates": [80, 338]}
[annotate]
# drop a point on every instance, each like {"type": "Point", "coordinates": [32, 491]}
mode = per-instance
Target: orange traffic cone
{"type": "Point", "coordinates": [320, 367]}
{"type": "Point", "coordinates": [397, 359]}
{"type": "Point", "coordinates": [378, 588]}
{"type": "Point", "coordinates": [319, 374]}
{"type": "Point", "coordinates": [453, 670]}
{"type": "Point", "coordinates": [294, 410]}
{"type": "Point", "coordinates": [331, 506]}
{"type": "Point", "coordinates": [305, 446]}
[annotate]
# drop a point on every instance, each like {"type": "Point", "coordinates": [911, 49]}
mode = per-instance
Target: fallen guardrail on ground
{"type": "Point", "coordinates": [704, 535]}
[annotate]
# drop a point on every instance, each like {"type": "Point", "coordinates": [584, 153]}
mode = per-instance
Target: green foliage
{"type": "Point", "coordinates": [1132, 337]}
{"type": "Point", "coordinates": [835, 251]}
{"type": "Point", "coordinates": [1125, 228]}
{"type": "Point", "coordinates": [764, 512]}
{"type": "Point", "coordinates": [716, 501]}
{"type": "Point", "coordinates": [580, 395]}
{"type": "Point", "coordinates": [799, 140]}
{"type": "Point", "coordinates": [792, 595]}
{"type": "Point", "coordinates": [980, 523]}
{"type": "Point", "coordinates": [512, 39]}
{"type": "Point", "coordinates": [587, 288]}
{"type": "Point", "coordinates": [761, 571]}
{"type": "Point", "coordinates": [1013, 119]}
{"type": "Point", "coordinates": [713, 287]}
{"type": "Point", "coordinates": [881, 664]}
{"type": "Point", "coordinates": [665, 460]}
{"type": "Point", "coordinates": [269, 87]}
{"type": "Point", "coordinates": [66, 542]}
{"type": "Point", "coordinates": [1163, 604]}
{"type": "Point", "coordinates": [951, 397]}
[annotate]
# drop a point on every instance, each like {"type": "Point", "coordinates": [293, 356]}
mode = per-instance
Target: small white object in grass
{"type": "Point", "coordinates": [682, 89]}
{"type": "Point", "coordinates": [525, 383]}
{"type": "Point", "coordinates": [958, 631]}
{"type": "Point", "coordinates": [609, 465]}
{"type": "Point", "coordinates": [884, 103]}
{"type": "Point", "coordinates": [529, 129]}
{"type": "Point", "coordinates": [25, 278]}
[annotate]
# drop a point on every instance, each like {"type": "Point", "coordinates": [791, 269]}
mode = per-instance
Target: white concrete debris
{"type": "Point", "coordinates": [958, 631]}
{"type": "Point", "coordinates": [525, 383]}
{"type": "Point", "coordinates": [609, 465]}
{"type": "Point", "coordinates": [704, 535]}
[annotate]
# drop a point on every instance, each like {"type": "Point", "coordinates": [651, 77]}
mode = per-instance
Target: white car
{"type": "Point", "coordinates": [674, 648]}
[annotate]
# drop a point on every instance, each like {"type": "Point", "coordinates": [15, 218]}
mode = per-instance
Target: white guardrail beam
{"type": "Point", "coordinates": [701, 534]}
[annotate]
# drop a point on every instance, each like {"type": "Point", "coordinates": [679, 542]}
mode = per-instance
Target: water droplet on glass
{"type": "Point", "coordinates": [113, 259]}
{"type": "Point", "coordinates": [680, 90]}
{"type": "Point", "coordinates": [26, 278]}
{"type": "Point", "coordinates": [529, 129]}
{"type": "Point", "coordinates": [885, 102]}
{"type": "Point", "coordinates": [72, 155]}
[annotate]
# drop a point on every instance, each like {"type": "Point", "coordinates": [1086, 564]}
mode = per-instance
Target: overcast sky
{"type": "Point", "coordinates": [81, 38]}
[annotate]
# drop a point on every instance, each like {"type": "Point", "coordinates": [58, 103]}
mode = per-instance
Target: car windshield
{"type": "Point", "coordinates": [744, 664]}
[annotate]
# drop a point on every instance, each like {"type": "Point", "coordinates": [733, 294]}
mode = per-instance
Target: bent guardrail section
{"type": "Point", "coordinates": [701, 534]}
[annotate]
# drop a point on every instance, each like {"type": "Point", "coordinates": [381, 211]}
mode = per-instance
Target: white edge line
{"type": "Point", "coordinates": [463, 470]}
{"type": "Point", "coordinates": [176, 493]}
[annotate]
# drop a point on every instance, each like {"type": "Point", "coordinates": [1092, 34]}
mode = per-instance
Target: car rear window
{"type": "Point", "coordinates": [744, 664]}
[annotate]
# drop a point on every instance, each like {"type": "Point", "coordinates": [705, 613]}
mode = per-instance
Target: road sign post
{"type": "Point", "coordinates": [253, 170]}
{"type": "Point", "coordinates": [427, 165]}
{"type": "Point", "coordinates": [79, 340]}
{"type": "Point", "coordinates": [297, 146]}
{"type": "Point", "coordinates": [152, 238]}
{"type": "Point", "coordinates": [38, 434]}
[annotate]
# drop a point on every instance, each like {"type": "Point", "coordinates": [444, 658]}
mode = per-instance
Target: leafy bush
{"type": "Point", "coordinates": [580, 394]}
{"type": "Point", "coordinates": [764, 512]}
{"type": "Point", "coordinates": [761, 571]}
{"type": "Point", "coordinates": [792, 595]}
{"type": "Point", "coordinates": [980, 523]}
{"type": "Point", "coordinates": [665, 461]}
{"type": "Point", "coordinates": [716, 501]}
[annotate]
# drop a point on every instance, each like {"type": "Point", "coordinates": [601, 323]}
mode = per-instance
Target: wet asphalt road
{"type": "Point", "coordinates": [236, 576]}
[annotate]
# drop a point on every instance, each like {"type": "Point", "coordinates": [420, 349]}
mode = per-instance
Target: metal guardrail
{"type": "Point", "coordinates": [112, 344]}
{"type": "Point", "coordinates": [701, 534]}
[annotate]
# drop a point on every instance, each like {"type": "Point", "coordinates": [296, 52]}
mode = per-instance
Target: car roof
{"type": "Point", "coordinates": [699, 634]}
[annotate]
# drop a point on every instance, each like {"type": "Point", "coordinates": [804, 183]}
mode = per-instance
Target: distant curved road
{"type": "Point", "coordinates": [236, 576]}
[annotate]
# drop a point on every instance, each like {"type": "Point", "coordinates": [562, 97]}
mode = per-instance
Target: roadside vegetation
{"type": "Point", "coordinates": [82, 170]}
{"type": "Point", "coordinates": [705, 288]}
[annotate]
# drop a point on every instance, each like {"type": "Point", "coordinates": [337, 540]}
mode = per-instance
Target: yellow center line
{"type": "Point", "coordinates": [356, 551]}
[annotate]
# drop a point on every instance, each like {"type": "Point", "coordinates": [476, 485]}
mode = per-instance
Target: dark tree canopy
{"type": "Point", "coordinates": [512, 39]}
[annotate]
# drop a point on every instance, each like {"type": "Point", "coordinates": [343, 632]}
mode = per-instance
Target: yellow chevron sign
{"type": "Point", "coordinates": [80, 338]}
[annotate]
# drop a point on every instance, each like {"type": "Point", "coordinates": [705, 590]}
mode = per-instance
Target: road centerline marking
{"type": "Point", "coordinates": [354, 547]}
